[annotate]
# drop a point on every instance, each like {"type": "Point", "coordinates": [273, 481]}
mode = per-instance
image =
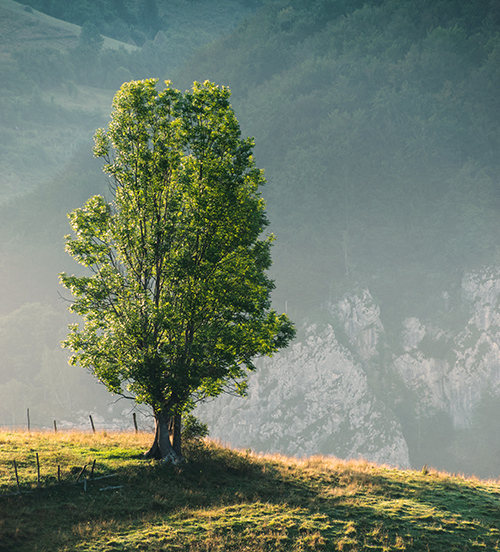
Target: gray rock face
{"type": "Point", "coordinates": [326, 393]}
{"type": "Point", "coordinates": [311, 399]}
{"type": "Point", "coordinates": [454, 379]}
{"type": "Point", "coordinates": [360, 318]}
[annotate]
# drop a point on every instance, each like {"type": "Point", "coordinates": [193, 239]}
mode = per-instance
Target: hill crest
{"type": "Point", "coordinates": [21, 25]}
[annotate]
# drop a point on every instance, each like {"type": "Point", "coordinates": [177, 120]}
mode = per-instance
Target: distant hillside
{"type": "Point", "coordinates": [56, 83]}
{"type": "Point", "coordinates": [191, 24]}
{"type": "Point", "coordinates": [222, 499]}
{"type": "Point", "coordinates": [45, 115]}
{"type": "Point", "coordinates": [378, 125]}
{"type": "Point", "coordinates": [21, 25]}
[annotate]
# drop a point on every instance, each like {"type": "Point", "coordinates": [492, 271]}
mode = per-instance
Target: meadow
{"type": "Point", "coordinates": [224, 499]}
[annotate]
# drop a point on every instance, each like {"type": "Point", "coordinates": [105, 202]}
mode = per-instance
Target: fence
{"type": "Point", "coordinates": [89, 423]}
{"type": "Point", "coordinates": [81, 478]}
{"type": "Point", "coordinates": [86, 473]}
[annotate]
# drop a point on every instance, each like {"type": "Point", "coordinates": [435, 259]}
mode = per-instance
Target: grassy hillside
{"type": "Point", "coordinates": [56, 85]}
{"type": "Point", "coordinates": [21, 25]}
{"type": "Point", "coordinates": [223, 499]}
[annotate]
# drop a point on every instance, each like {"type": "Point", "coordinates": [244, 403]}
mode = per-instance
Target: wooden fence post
{"type": "Point", "coordinates": [17, 478]}
{"type": "Point", "coordinates": [38, 470]}
{"type": "Point", "coordinates": [135, 422]}
{"type": "Point", "coordinates": [81, 473]}
{"type": "Point", "coordinates": [28, 414]}
{"type": "Point", "coordinates": [92, 423]}
{"type": "Point", "coordinates": [55, 427]}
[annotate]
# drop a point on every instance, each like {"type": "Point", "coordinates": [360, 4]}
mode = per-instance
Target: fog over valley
{"type": "Point", "coordinates": [377, 124]}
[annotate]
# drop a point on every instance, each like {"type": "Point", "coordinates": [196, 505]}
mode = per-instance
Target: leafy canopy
{"type": "Point", "coordinates": [177, 304]}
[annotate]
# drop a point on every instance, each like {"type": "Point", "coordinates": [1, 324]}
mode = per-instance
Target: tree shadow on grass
{"type": "Point", "coordinates": [354, 507]}
{"type": "Point", "coordinates": [383, 507]}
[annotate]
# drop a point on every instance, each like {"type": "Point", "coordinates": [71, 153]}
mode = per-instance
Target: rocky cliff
{"type": "Point", "coordinates": [342, 390]}
{"type": "Point", "coordinates": [313, 398]}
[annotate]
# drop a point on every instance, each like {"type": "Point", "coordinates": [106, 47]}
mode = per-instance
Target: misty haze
{"type": "Point", "coordinates": [378, 126]}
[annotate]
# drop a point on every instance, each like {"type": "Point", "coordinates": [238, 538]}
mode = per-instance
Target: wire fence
{"type": "Point", "coordinates": [27, 478]}
{"type": "Point", "coordinates": [136, 421]}
{"type": "Point", "coordinates": [26, 483]}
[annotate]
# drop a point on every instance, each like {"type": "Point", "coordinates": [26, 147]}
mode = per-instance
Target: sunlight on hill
{"type": "Point", "coordinates": [222, 499]}
{"type": "Point", "coordinates": [21, 26]}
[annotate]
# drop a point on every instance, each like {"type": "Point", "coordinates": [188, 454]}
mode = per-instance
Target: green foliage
{"type": "Point", "coordinates": [177, 305]}
{"type": "Point", "coordinates": [193, 429]}
{"type": "Point", "coordinates": [90, 36]}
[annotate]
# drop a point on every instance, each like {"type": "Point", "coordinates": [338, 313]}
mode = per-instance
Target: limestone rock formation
{"type": "Point", "coordinates": [311, 399]}
{"type": "Point", "coordinates": [341, 390]}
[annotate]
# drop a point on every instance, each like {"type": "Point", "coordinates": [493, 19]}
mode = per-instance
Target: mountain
{"type": "Point", "coordinates": [57, 78]}
{"type": "Point", "coordinates": [44, 116]}
{"type": "Point", "coordinates": [432, 398]}
{"type": "Point", "coordinates": [22, 25]}
{"type": "Point", "coordinates": [377, 124]}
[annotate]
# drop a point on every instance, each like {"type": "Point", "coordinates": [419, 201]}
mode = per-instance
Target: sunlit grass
{"type": "Point", "coordinates": [223, 499]}
{"type": "Point", "coordinates": [70, 450]}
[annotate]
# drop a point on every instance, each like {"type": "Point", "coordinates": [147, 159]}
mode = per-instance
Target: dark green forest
{"type": "Point", "coordinates": [377, 123]}
{"type": "Point", "coordinates": [165, 33]}
{"type": "Point", "coordinates": [137, 21]}
{"type": "Point", "coordinates": [379, 132]}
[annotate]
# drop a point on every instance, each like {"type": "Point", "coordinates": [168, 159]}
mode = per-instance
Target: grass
{"type": "Point", "coordinates": [225, 500]}
{"type": "Point", "coordinates": [19, 26]}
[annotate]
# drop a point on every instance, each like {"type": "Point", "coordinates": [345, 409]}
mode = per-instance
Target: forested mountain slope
{"type": "Point", "coordinates": [57, 78]}
{"type": "Point", "coordinates": [378, 126]}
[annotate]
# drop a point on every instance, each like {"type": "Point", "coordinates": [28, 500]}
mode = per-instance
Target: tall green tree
{"type": "Point", "coordinates": [177, 304]}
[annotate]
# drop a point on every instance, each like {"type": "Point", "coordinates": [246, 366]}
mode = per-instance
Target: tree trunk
{"type": "Point", "coordinates": [176, 434]}
{"type": "Point", "coordinates": [162, 448]}
{"type": "Point", "coordinates": [154, 452]}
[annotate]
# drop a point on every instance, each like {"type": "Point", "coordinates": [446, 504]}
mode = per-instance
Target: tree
{"type": "Point", "coordinates": [177, 304]}
{"type": "Point", "coordinates": [90, 37]}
